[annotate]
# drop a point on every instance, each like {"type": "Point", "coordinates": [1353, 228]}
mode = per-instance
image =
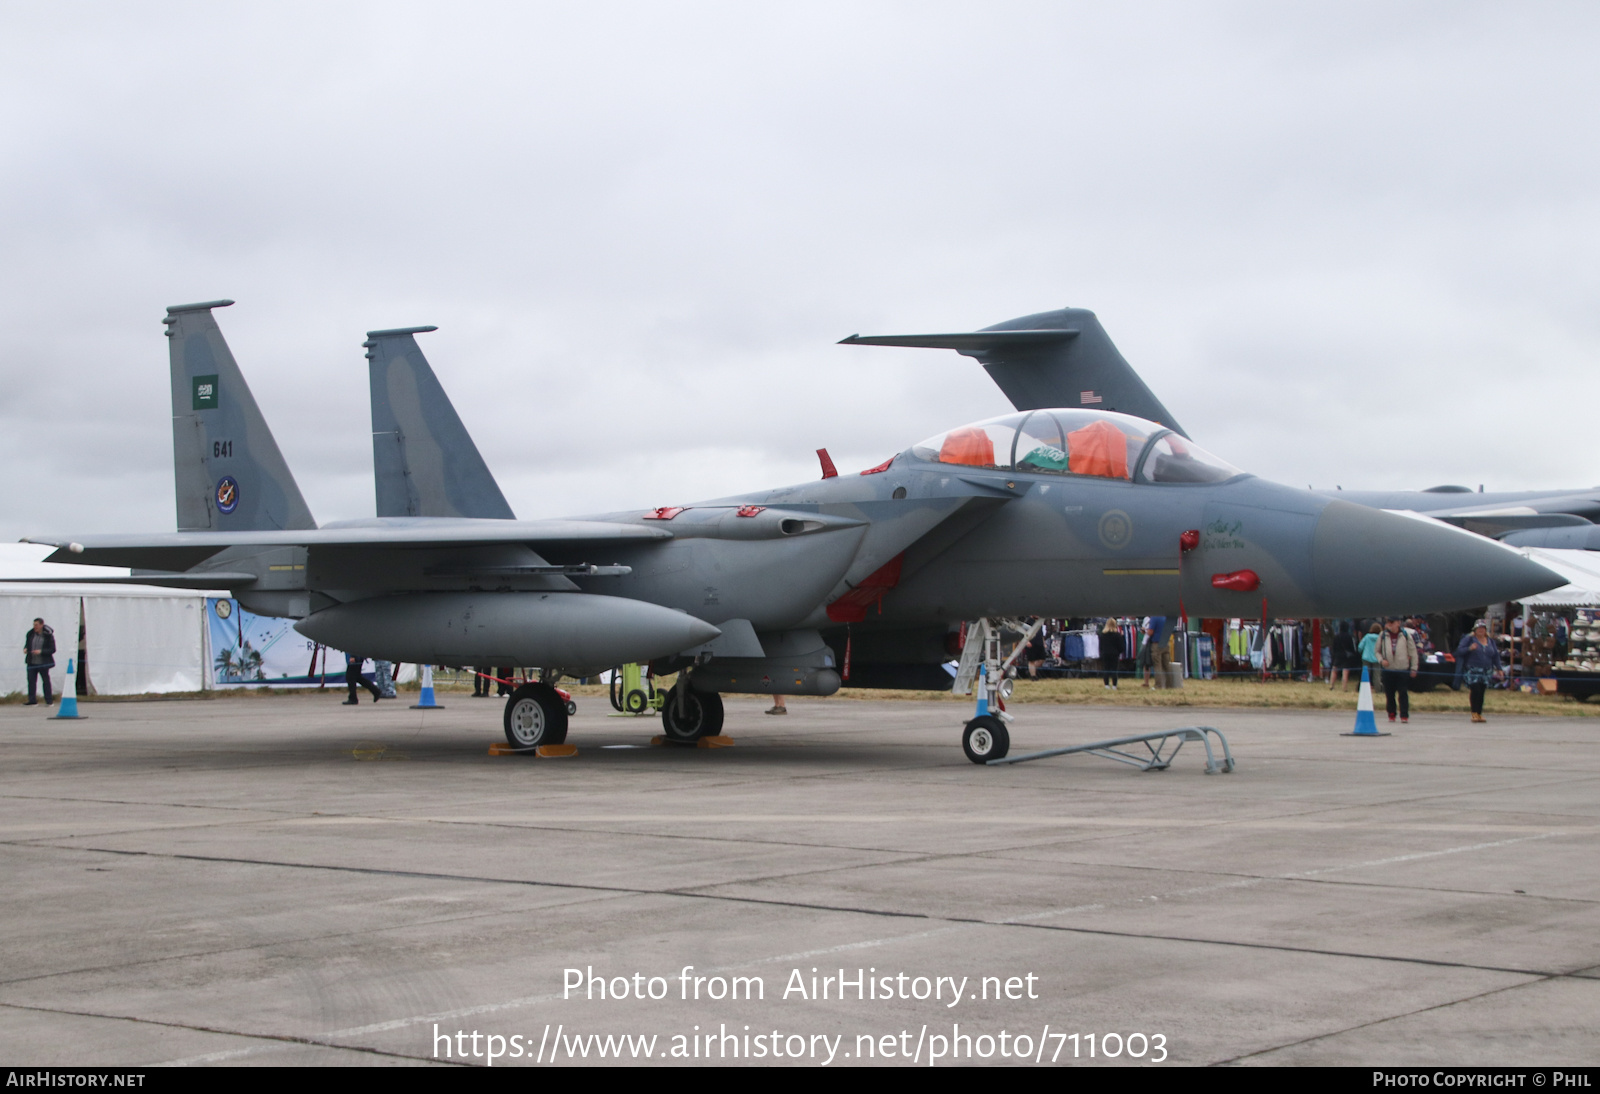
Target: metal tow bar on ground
{"type": "Point", "coordinates": [1154, 743]}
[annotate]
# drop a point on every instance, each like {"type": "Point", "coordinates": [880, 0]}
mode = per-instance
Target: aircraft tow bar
{"type": "Point", "coordinates": [1156, 758]}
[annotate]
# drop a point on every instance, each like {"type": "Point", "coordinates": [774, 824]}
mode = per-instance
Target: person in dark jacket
{"type": "Point", "coordinates": [1110, 653]}
{"type": "Point", "coordinates": [39, 651]}
{"type": "Point", "coordinates": [1345, 657]}
{"type": "Point", "coordinates": [1036, 653]}
{"type": "Point", "coordinates": [353, 679]}
{"type": "Point", "coordinates": [1477, 662]}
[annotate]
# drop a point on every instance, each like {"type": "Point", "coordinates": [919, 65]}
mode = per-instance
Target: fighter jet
{"type": "Point", "coordinates": [866, 576]}
{"type": "Point", "coordinates": [1066, 358]}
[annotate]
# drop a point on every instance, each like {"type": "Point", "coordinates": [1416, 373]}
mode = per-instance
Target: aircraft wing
{"type": "Point", "coordinates": [177, 551]}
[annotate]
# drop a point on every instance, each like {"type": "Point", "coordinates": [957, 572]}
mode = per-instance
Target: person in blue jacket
{"type": "Point", "coordinates": [1477, 662]}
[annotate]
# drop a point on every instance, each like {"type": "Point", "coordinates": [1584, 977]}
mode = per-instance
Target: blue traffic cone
{"type": "Point", "coordinates": [1366, 723]}
{"type": "Point", "coordinates": [69, 695]}
{"type": "Point", "coordinates": [427, 702]}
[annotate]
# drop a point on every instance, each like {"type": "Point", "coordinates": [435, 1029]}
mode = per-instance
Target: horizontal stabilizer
{"type": "Point", "coordinates": [1052, 359]}
{"type": "Point", "coordinates": [175, 551]}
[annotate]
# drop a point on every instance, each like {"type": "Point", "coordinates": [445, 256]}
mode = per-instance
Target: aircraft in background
{"type": "Point", "coordinates": [1066, 358]}
{"type": "Point", "coordinates": [1073, 511]}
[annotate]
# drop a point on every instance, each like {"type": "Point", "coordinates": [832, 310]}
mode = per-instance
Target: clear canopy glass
{"type": "Point", "coordinates": [1076, 442]}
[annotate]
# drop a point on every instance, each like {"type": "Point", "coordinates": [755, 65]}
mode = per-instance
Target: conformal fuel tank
{"type": "Point", "coordinates": [549, 630]}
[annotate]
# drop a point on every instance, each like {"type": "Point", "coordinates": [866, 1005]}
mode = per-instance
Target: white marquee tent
{"type": "Point", "coordinates": [138, 639]}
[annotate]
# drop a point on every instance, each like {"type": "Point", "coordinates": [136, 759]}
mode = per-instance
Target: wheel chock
{"type": "Point", "coordinates": [718, 741]}
{"type": "Point", "coordinates": [548, 752]}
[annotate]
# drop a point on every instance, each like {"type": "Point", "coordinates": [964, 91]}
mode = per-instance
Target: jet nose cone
{"type": "Point", "coordinates": [1369, 562]}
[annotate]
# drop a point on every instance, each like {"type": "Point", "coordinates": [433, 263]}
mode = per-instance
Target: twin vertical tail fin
{"type": "Point", "coordinates": [424, 463]}
{"type": "Point", "coordinates": [1059, 358]}
{"type": "Point", "coordinates": [230, 474]}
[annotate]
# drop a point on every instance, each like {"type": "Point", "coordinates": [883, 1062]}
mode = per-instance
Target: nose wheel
{"type": "Point", "coordinates": [985, 739]}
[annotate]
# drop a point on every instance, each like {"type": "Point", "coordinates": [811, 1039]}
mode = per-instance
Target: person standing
{"type": "Point", "coordinates": [1036, 653]}
{"type": "Point", "coordinates": [1397, 653]}
{"type": "Point", "coordinates": [383, 674]}
{"type": "Point", "coordinates": [1368, 652]}
{"type": "Point", "coordinates": [1478, 662]}
{"type": "Point", "coordinates": [506, 683]}
{"type": "Point", "coordinates": [480, 682]}
{"type": "Point", "coordinates": [39, 652]}
{"type": "Point", "coordinates": [1110, 653]}
{"type": "Point", "coordinates": [353, 679]}
{"type": "Point", "coordinates": [1150, 632]}
{"type": "Point", "coordinates": [1345, 657]}
{"type": "Point", "coordinates": [779, 706]}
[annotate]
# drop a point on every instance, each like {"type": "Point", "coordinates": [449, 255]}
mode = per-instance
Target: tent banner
{"type": "Point", "coordinates": [250, 650]}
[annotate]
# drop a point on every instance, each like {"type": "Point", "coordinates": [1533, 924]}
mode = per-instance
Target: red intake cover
{"type": "Point", "coordinates": [1240, 581]}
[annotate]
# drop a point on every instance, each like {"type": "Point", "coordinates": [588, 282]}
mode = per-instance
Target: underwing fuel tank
{"type": "Point", "coordinates": [555, 629]}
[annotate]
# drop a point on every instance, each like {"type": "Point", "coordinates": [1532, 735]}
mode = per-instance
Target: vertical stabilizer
{"type": "Point", "coordinates": [424, 463]}
{"type": "Point", "coordinates": [230, 474]}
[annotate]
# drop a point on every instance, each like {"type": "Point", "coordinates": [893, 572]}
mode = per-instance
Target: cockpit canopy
{"type": "Point", "coordinates": [1077, 442]}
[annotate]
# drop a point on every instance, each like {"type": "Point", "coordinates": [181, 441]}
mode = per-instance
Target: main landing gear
{"type": "Point", "coordinates": [688, 715]}
{"type": "Point", "coordinates": [536, 714]}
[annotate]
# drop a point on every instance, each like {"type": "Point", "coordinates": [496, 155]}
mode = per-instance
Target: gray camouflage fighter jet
{"type": "Point", "coordinates": [1066, 358]}
{"type": "Point", "coordinates": [1052, 512]}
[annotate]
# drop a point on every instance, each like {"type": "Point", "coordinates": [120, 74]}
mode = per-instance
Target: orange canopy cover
{"type": "Point", "coordinates": [968, 445]}
{"type": "Point", "coordinates": [1099, 448]}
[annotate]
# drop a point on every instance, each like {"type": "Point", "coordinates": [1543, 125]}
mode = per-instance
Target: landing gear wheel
{"type": "Point", "coordinates": [985, 739]}
{"type": "Point", "coordinates": [702, 714]}
{"type": "Point", "coordinates": [535, 715]}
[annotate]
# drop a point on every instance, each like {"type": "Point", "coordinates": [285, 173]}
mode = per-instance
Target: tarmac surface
{"type": "Point", "coordinates": [289, 881]}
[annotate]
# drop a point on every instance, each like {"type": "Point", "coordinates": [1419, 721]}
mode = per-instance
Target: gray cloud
{"type": "Point", "coordinates": [1345, 243]}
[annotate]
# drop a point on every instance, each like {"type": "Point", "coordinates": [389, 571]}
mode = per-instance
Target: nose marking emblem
{"type": "Point", "coordinates": [1116, 529]}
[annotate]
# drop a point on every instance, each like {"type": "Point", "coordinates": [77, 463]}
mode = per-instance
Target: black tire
{"type": "Point", "coordinates": [535, 715]}
{"type": "Point", "coordinates": [985, 739]}
{"type": "Point", "coordinates": [635, 702]}
{"type": "Point", "coordinates": [572, 708]}
{"type": "Point", "coordinates": [702, 715]}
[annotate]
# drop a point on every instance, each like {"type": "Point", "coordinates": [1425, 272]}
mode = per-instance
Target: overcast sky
{"type": "Point", "coordinates": [1345, 244]}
